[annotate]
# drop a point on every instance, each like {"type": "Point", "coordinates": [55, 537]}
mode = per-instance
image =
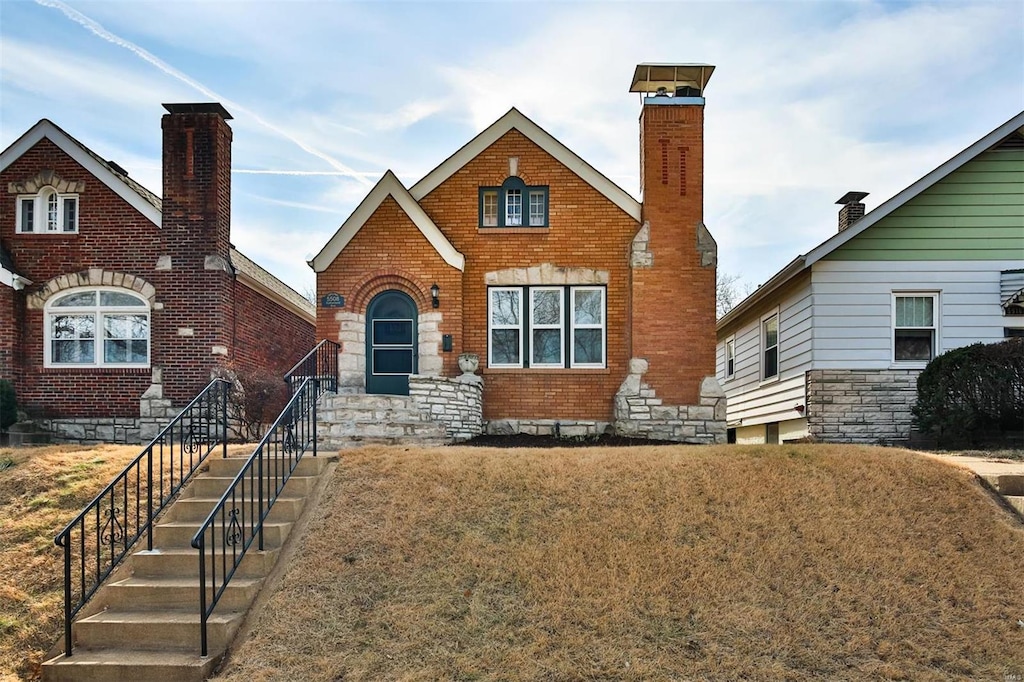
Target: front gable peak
{"type": "Point", "coordinates": [388, 186]}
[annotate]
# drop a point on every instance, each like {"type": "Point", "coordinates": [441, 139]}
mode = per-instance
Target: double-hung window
{"type": "Point", "coordinates": [913, 327]}
{"type": "Point", "coordinates": [770, 347]}
{"type": "Point", "coordinates": [730, 357]}
{"type": "Point", "coordinates": [47, 213]}
{"type": "Point", "coordinates": [97, 328]}
{"type": "Point", "coordinates": [546, 327]}
{"type": "Point", "coordinates": [514, 204]}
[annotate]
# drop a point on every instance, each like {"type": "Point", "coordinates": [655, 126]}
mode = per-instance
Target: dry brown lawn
{"type": "Point", "coordinates": [41, 490]}
{"type": "Point", "coordinates": [667, 563]}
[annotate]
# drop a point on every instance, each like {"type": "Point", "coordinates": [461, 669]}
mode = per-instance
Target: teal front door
{"type": "Point", "coordinates": [390, 343]}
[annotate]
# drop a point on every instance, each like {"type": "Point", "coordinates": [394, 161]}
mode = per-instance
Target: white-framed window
{"type": "Point", "coordinates": [546, 325]}
{"type": "Point", "coordinates": [914, 328]}
{"type": "Point", "coordinates": [588, 327]}
{"type": "Point", "coordinates": [101, 327]}
{"type": "Point", "coordinates": [560, 327]}
{"type": "Point", "coordinates": [730, 357]}
{"type": "Point", "coordinates": [514, 204]}
{"type": "Point", "coordinates": [770, 347]}
{"type": "Point", "coordinates": [47, 213]}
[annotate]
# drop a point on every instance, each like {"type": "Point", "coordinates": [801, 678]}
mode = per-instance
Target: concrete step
{"type": "Point", "coordinates": [156, 630]}
{"type": "Point", "coordinates": [229, 466]}
{"type": "Point", "coordinates": [214, 486]}
{"type": "Point", "coordinates": [198, 508]}
{"type": "Point", "coordinates": [179, 534]}
{"type": "Point", "coordinates": [151, 594]}
{"type": "Point", "coordinates": [1017, 502]}
{"type": "Point", "coordinates": [115, 665]}
{"type": "Point", "coordinates": [1007, 484]}
{"type": "Point", "coordinates": [184, 563]}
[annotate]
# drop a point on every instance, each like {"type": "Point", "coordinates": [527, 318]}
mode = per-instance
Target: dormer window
{"type": "Point", "coordinates": [47, 212]}
{"type": "Point", "coordinates": [514, 204]}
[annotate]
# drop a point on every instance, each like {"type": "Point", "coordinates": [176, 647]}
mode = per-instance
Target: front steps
{"type": "Point", "coordinates": [143, 625]}
{"type": "Point", "coordinates": [350, 420]}
{"type": "Point", "coordinates": [1010, 487]}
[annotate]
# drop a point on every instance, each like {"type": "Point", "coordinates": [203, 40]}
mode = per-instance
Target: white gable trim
{"type": "Point", "coordinates": [544, 140]}
{"type": "Point", "coordinates": [389, 185]}
{"type": "Point", "coordinates": [51, 132]}
{"type": "Point", "coordinates": [13, 279]}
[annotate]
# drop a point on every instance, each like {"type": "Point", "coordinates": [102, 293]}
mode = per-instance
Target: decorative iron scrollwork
{"type": "Point", "coordinates": [288, 442]}
{"type": "Point", "coordinates": [234, 532]}
{"type": "Point", "coordinates": [191, 441]}
{"type": "Point", "coordinates": [113, 530]}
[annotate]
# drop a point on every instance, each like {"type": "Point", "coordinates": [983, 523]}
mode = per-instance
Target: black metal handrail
{"type": "Point", "coordinates": [321, 363]}
{"type": "Point", "coordinates": [107, 528]}
{"type": "Point", "coordinates": [236, 521]}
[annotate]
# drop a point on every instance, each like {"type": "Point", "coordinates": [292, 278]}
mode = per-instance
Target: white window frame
{"type": "Point", "coordinates": [99, 312]}
{"type": "Point", "coordinates": [573, 326]}
{"type": "Point", "coordinates": [40, 212]}
{"type": "Point", "coordinates": [730, 356]}
{"type": "Point", "coordinates": [537, 219]}
{"type": "Point", "coordinates": [560, 326]}
{"type": "Point", "coordinates": [513, 219]}
{"type": "Point", "coordinates": [489, 219]}
{"type": "Point", "coordinates": [936, 350]}
{"type": "Point", "coordinates": [764, 348]}
{"type": "Point", "coordinates": [491, 326]}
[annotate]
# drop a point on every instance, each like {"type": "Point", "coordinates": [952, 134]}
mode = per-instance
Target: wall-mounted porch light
{"type": "Point", "coordinates": [434, 293]}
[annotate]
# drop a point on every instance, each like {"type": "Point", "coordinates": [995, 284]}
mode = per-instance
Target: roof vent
{"type": "Point", "coordinates": [117, 169]}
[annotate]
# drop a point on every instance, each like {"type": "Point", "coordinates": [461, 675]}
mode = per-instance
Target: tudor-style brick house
{"type": "Point", "coordinates": [116, 305]}
{"type": "Point", "coordinates": [587, 309]}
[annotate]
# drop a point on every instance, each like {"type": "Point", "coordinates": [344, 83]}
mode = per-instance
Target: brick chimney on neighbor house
{"type": "Point", "coordinates": [197, 181]}
{"type": "Point", "coordinates": [852, 209]}
{"type": "Point", "coordinates": [673, 291]}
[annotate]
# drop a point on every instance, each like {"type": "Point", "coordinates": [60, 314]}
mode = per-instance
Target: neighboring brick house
{"type": "Point", "coordinates": [831, 346]}
{"type": "Point", "coordinates": [115, 305]}
{"type": "Point", "coordinates": [588, 310]}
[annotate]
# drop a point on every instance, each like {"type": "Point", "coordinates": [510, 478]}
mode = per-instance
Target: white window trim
{"type": "Point", "coordinates": [730, 342]}
{"type": "Point", "coordinates": [560, 326]}
{"type": "Point", "coordinates": [936, 317]}
{"type": "Point", "coordinates": [603, 326]}
{"type": "Point", "coordinates": [491, 326]}
{"type": "Point", "coordinates": [762, 348]}
{"type": "Point", "coordinates": [99, 312]}
{"type": "Point", "coordinates": [39, 212]}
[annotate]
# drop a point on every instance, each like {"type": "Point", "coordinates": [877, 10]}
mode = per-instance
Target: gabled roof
{"type": "Point", "coordinates": [389, 185]}
{"type": "Point", "coordinates": [140, 198]}
{"type": "Point", "coordinates": [514, 119]}
{"type": "Point", "coordinates": [801, 263]}
{"type": "Point", "coordinates": [258, 279]}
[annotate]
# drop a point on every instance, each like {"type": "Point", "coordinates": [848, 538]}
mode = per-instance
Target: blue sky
{"type": "Point", "coordinates": [809, 99]}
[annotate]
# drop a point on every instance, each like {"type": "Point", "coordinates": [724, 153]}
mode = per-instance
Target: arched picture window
{"type": "Point", "coordinates": [97, 328]}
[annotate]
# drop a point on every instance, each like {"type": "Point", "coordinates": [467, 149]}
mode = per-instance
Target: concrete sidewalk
{"type": "Point", "coordinates": [1005, 476]}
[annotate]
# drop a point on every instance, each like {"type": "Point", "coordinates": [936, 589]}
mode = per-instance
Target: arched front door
{"type": "Point", "coordinates": [390, 343]}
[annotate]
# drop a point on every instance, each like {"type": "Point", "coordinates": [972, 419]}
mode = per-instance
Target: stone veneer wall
{"type": "Point", "coordinates": [564, 428]}
{"type": "Point", "coordinates": [861, 406]}
{"type": "Point", "coordinates": [155, 414]}
{"type": "Point", "coordinates": [457, 403]}
{"type": "Point", "coordinates": [639, 412]}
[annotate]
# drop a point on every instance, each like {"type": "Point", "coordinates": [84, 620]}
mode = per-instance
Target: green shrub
{"type": "Point", "coordinates": [973, 395]}
{"type": "Point", "coordinates": [8, 405]}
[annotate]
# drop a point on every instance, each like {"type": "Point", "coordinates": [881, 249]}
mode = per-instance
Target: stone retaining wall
{"type": "Point", "coordinates": [564, 428]}
{"type": "Point", "coordinates": [861, 406]}
{"type": "Point", "coordinates": [457, 403]}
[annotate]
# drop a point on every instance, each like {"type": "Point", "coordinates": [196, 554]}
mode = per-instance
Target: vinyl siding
{"type": "Point", "coordinates": [853, 307]}
{"type": "Point", "coordinates": [748, 399]}
{"type": "Point", "coordinates": [975, 213]}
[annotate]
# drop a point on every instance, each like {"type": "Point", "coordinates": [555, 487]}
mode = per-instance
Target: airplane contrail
{"type": "Point", "coordinates": [98, 30]}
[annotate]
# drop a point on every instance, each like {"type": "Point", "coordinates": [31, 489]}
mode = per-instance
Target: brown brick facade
{"type": "Point", "coordinates": [198, 308]}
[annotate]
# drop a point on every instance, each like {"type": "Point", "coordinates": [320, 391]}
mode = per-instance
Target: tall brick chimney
{"type": "Point", "coordinates": [852, 209]}
{"type": "Point", "coordinates": [197, 181]}
{"type": "Point", "coordinates": [673, 293]}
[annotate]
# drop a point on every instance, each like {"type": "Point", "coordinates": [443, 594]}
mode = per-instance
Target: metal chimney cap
{"type": "Point", "coordinates": [649, 77]}
{"type": "Point", "coordinates": [199, 108]}
{"type": "Point", "coordinates": [851, 198]}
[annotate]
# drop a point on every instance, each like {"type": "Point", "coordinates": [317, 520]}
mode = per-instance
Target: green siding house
{"type": "Point", "coordinates": [832, 345]}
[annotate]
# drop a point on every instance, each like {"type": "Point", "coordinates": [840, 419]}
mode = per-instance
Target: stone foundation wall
{"type": "Point", "coordinates": [563, 428]}
{"type": "Point", "coordinates": [639, 412]}
{"type": "Point", "coordinates": [861, 406]}
{"type": "Point", "coordinates": [457, 403]}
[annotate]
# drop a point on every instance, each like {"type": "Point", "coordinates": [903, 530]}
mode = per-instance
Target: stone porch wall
{"type": "Point", "coordinates": [457, 403]}
{"type": "Point", "coordinates": [861, 406]}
